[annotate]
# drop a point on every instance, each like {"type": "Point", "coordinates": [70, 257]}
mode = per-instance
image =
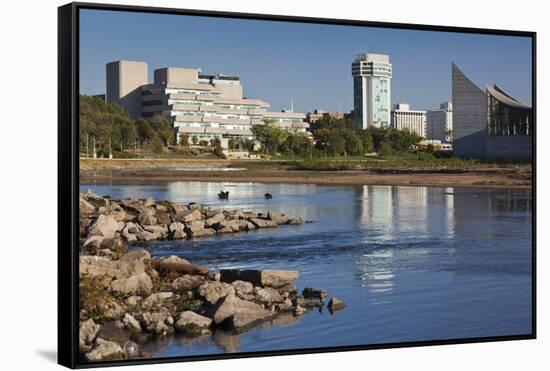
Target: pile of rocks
{"type": "Point", "coordinates": [129, 297]}
{"type": "Point", "coordinates": [107, 225]}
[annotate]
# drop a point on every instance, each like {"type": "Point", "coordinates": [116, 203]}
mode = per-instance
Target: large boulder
{"type": "Point", "coordinates": [86, 207]}
{"type": "Point", "coordinates": [212, 291]}
{"type": "Point", "coordinates": [114, 244]}
{"type": "Point", "coordinates": [105, 350]}
{"type": "Point", "coordinates": [131, 323]}
{"type": "Point", "coordinates": [188, 216]}
{"type": "Point", "coordinates": [97, 266]}
{"type": "Point", "coordinates": [137, 284]}
{"type": "Point", "coordinates": [198, 230]}
{"type": "Point", "coordinates": [244, 290]}
{"type": "Point", "coordinates": [193, 324]}
{"type": "Point", "coordinates": [105, 226]}
{"type": "Point", "coordinates": [263, 223]}
{"type": "Point", "coordinates": [134, 262]}
{"type": "Point", "coordinates": [267, 295]}
{"type": "Point", "coordinates": [156, 299]}
{"type": "Point", "coordinates": [177, 231]}
{"type": "Point", "coordinates": [174, 268]}
{"type": "Point", "coordinates": [215, 219]}
{"type": "Point", "coordinates": [158, 323]}
{"type": "Point", "coordinates": [227, 226]}
{"type": "Point", "coordinates": [188, 282]}
{"type": "Point", "coordinates": [237, 314]}
{"type": "Point", "coordinates": [295, 221]}
{"type": "Point", "coordinates": [147, 236]}
{"type": "Point", "coordinates": [278, 218]}
{"type": "Point", "coordinates": [87, 333]}
{"type": "Point", "coordinates": [147, 217]}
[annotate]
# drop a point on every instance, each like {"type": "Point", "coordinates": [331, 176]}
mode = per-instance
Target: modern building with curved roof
{"type": "Point", "coordinates": [490, 123]}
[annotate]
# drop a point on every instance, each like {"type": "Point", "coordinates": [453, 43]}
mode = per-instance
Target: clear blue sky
{"type": "Point", "coordinates": [309, 62]}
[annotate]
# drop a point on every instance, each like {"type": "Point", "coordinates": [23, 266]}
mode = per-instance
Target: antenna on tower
{"type": "Point", "coordinates": [371, 45]}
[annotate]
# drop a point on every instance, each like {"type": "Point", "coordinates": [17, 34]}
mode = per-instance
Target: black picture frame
{"type": "Point", "coordinates": [68, 180]}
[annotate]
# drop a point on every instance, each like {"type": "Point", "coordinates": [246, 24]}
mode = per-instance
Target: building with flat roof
{"type": "Point", "coordinates": [439, 123]}
{"type": "Point", "coordinates": [403, 118]}
{"type": "Point", "coordinates": [198, 105]}
{"type": "Point", "coordinates": [318, 114]}
{"type": "Point", "coordinates": [490, 123]}
{"type": "Point", "coordinates": [372, 90]}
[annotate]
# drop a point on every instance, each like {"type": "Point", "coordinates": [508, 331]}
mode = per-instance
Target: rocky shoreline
{"type": "Point", "coordinates": [129, 297]}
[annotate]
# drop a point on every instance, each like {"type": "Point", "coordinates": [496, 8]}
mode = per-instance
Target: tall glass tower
{"type": "Point", "coordinates": [372, 90]}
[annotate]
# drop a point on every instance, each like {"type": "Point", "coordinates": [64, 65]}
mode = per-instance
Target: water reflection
{"type": "Point", "coordinates": [411, 263]}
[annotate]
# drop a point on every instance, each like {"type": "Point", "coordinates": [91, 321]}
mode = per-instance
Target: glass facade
{"type": "Point", "coordinates": [507, 120]}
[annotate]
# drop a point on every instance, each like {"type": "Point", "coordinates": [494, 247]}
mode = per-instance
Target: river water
{"type": "Point", "coordinates": [411, 263]}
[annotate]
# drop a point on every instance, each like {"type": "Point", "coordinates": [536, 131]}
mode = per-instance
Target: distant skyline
{"type": "Point", "coordinates": [309, 63]}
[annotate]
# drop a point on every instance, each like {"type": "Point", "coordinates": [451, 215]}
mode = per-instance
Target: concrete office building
{"type": "Point", "coordinates": [124, 81]}
{"type": "Point", "coordinates": [490, 123]}
{"type": "Point", "coordinates": [403, 118]}
{"type": "Point", "coordinates": [439, 123]}
{"type": "Point", "coordinates": [318, 114]}
{"type": "Point", "coordinates": [199, 105]}
{"type": "Point", "coordinates": [371, 90]}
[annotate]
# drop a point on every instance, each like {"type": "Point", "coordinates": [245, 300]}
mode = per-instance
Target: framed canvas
{"type": "Point", "coordinates": [242, 185]}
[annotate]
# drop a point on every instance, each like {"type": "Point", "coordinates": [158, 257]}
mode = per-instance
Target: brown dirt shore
{"type": "Point", "coordinates": [153, 171]}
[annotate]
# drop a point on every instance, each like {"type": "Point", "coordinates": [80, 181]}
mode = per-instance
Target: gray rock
{"type": "Point", "coordinates": [335, 304]}
{"type": "Point", "coordinates": [188, 216]}
{"type": "Point", "coordinates": [227, 226]}
{"type": "Point", "coordinates": [139, 283]}
{"type": "Point", "coordinates": [235, 313]}
{"type": "Point", "coordinates": [212, 291]}
{"type": "Point", "coordinates": [98, 266]}
{"type": "Point", "coordinates": [105, 350]}
{"type": "Point", "coordinates": [193, 231]}
{"type": "Point", "coordinates": [147, 236]}
{"type": "Point", "coordinates": [133, 262]}
{"type": "Point", "coordinates": [156, 299]}
{"type": "Point", "coordinates": [88, 332]}
{"type": "Point", "coordinates": [158, 323]}
{"type": "Point", "coordinates": [295, 221]}
{"type": "Point", "coordinates": [177, 231]}
{"type": "Point", "coordinates": [263, 223]}
{"type": "Point", "coordinates": [192, 324]}
{"type": "Point", "coordinates": [215, 219]}
{"type": "Point", "coordinates": [105, 226]}
{"type": "Point", "coordinates": [278, 218]}
{"type": "Point", "coordinates": [188, 282]}
{"type": "Point", "coordinates": [114, 244]}
{"type": "Point", "coordinates": [131, 323]}
{"type": "Point", "coordinates": [147, 218]}
{"type": "Point", "coordinates": [267, 295]}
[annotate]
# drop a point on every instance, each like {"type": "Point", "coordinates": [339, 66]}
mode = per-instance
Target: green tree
{"type": "Point", "coordinates": [385, 149]}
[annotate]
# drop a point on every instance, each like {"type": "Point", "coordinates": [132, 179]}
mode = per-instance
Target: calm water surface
{"type": "Point", "coordinates": [411, 263]}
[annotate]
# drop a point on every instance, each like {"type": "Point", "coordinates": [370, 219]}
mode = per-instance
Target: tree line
{"type": "Point", "coordinates": [334, 137]}
{"type": "Point", "coordinates": [110, 127]}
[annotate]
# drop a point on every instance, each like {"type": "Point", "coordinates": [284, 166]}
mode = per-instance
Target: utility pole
{"type": "Point", "coordinates": [94, 155]}
{"type": "Point", "coordinates": [110, 152]}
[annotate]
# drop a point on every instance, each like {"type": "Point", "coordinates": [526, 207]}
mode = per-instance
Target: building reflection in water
{"type": "Point", "coordinates": [390, 216]}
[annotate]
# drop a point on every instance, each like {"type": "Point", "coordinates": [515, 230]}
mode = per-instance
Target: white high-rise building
{"type": "Point", "coordinates": [439, 123]}
{"type": "Point", "coordinates": [403, 118]}
{"type": "Point", "coordinates": [371, 90]}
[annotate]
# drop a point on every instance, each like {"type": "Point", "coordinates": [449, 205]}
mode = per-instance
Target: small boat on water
{"type": "Point", "coordinates": [268, 196]}
{"type": "Point", "coordinates": [223, 195]}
